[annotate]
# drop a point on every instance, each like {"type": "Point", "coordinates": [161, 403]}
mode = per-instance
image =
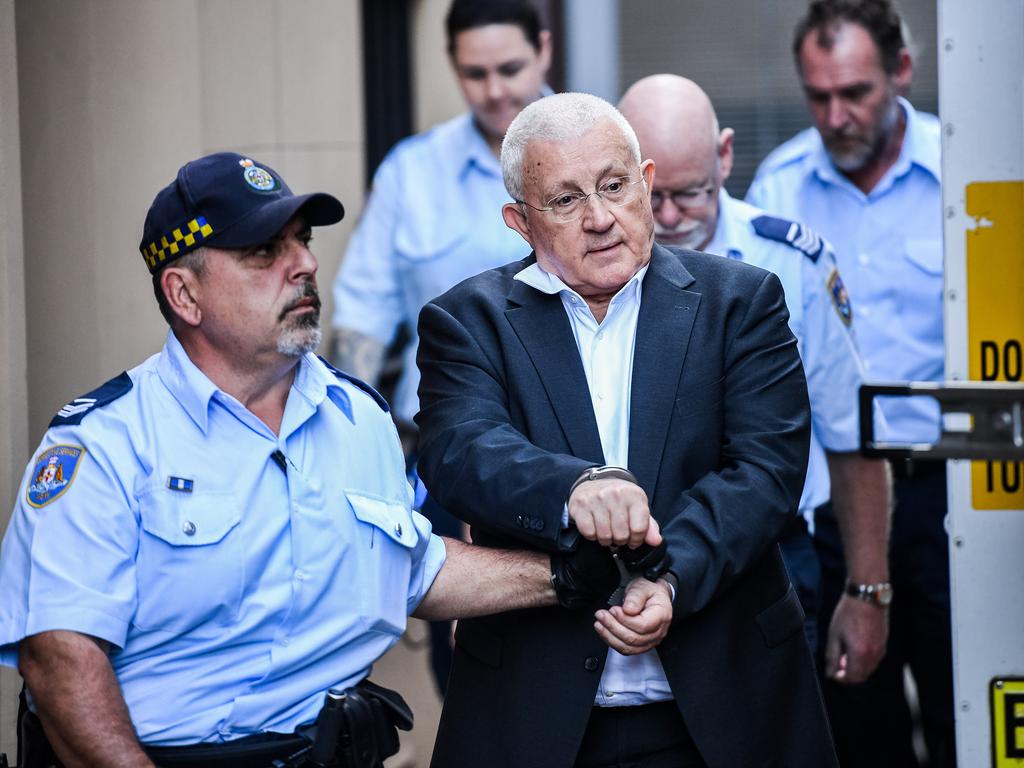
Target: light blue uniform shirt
{"type": "Point", "coordinates": [233, 592]}
{"type": "Point", "coordinates": [432, 219]}
{"type": "Point", "coordinates": [816, 316]}
{"type": "Point", "coordinates": [889, 246]}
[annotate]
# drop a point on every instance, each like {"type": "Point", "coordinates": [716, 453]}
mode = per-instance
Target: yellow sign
{"type": "Point", "coordinates": [995, 319]}
{"type": "Point", "coordinates": [1007, 723]}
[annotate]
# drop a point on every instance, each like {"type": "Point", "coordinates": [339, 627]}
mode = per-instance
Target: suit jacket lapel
{"type": "Point", "coordinates": [667, 313]}
{"type": "Point", "coordinates": [542, 326]}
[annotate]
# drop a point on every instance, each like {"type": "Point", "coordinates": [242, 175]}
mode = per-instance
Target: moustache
{"type": "Point", "coordinates": [683, 228]}
{"type": "Point", "coordinates": [843, 134]}
{"type": "Point", "coordinates": [307, 294]}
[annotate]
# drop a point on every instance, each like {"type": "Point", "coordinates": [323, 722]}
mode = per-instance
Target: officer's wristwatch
{"type": "Point", "coordinates": [877, 594]}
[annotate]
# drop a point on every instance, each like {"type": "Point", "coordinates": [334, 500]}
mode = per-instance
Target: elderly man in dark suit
{"type": "Point", "coordinates": [606, 391]}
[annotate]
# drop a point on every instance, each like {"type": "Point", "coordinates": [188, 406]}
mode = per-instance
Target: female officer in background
{"type": "Point", "coordinates": [433, 215]}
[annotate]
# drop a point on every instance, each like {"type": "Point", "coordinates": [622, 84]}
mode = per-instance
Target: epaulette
{"type": "Point", "coordinates": [359, 383]}
{"type": "Point", "coordinates": [76, 410]}
{"type": "Point", "coordinates": [804, 239]}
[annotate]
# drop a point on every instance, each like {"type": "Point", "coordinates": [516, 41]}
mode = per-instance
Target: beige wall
{"type": "Point", "coordinates": [14, 442]}
{"type": "Point", "coordinates": [115, 96]}
{"type": "Point", "coordinates": [436, 97]}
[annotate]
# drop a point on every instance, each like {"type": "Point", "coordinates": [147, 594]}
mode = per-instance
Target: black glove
{"type": "Point", "coordinates": [650, 562]}
{"type": "Point", "coordinates": [585, 576]}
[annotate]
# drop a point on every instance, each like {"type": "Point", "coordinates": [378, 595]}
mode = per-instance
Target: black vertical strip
{"type": "Point", "coordinates": [387, 77]}
{"type": "Point", "coordinates": [280, 460]}
{"type": "Point", "coordinates": [553, 12]}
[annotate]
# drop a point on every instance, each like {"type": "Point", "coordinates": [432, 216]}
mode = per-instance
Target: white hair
{"type": "Point", "coordinates": [556, 118]}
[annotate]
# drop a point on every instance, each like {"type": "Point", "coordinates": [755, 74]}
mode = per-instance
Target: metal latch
{"type": "Point", "coordinates": [987, 421]}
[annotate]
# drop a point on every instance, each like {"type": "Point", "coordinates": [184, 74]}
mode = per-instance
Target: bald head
{"type": "Point", "coordinates": [671, 116]}
{"type": "Point", "coordinates": [678, 130]}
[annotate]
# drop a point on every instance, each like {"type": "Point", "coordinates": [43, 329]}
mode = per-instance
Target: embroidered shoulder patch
{"type": "Point", "coordinates": [75, 411]}
{"type": "Point", "coordinates": [53, 473]}
{"type": "Point", "coordinates": [359, 383]}
{"type": "Point", "coordinates": [804, 239]}
{"type": "Point", "coordinates": [840, 298]}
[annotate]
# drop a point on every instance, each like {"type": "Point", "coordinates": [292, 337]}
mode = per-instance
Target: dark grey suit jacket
{"type": "Point", "coordinates": [718, 438]}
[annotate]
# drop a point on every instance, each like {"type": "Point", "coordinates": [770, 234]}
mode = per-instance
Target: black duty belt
{"type": "Point", "coordinates": [355, 729]}
{"type": "Point", "coordinates": [257, 751]}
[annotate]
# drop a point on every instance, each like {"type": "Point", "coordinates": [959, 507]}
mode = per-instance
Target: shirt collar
{"type": "Point", "coordinates": [469, 141]}
{"type": "Point", "coordinates": [189, 386]}
{"type": "Point", "coordinates": [725, 237]}
{"type": "Point", "coordinates": [314, 382]}
{"type": "Point", "coordinates": [194, 390]}
{"type": "Point", "coordinates": [477, 152]}
{"type": "Point", "coordinates": [545, 282]}
{"type": "Point", "coordinates": [919, 148]}
{"type": "Point", "coordinates": [920, 145]}
{"type": "Point", "coordinates": [313, 379]}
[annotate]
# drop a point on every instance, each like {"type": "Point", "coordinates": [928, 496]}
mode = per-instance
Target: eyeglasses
{"type": "Point", "coordinates": [569, 206]}
{"type": "Point", "coordinates": [684, 199]}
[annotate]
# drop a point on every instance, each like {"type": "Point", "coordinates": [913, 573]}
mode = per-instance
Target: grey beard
{"type": "Point", "coordinates": [692, 239]}
{"type": "Point", "coordinates": [297, 341]}
{"type": "Point", "coordinates": [853, 160]}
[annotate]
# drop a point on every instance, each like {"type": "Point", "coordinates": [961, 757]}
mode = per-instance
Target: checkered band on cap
{"type": "Point", "coordinates": [177, 242]}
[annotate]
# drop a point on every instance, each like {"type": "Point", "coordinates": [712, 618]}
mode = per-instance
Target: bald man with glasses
{"type": "Point", "coordinates": [677, 128]}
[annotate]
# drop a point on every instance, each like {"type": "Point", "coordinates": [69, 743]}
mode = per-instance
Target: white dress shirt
{"type": "Point", "coordinates": [606, 350]}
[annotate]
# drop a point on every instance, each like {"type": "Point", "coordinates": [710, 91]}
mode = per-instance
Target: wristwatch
{"type": "Point", "coordinates": [877, 594]}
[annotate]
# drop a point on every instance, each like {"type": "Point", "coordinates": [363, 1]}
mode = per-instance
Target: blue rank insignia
{"type": "Point", "coordinates": [796, 235]}
{"type": "Point", "coordinates": [182, 484]}
{"type": "Point", "coordinates": [53, 473]}
{"type": "Point", "coordinates": [840, 297]}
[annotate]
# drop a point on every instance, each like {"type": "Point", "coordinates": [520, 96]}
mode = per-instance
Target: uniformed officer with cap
{"type": "Point", "coordinates": [677, 127]}
{"type": "Point", "coordinates": [207, 543]}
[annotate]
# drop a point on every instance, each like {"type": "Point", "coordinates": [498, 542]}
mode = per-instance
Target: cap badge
{"type": "Point", "coordinates": [258, 178]}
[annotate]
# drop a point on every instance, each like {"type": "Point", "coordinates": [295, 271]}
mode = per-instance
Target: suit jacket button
{"type": "Point", "coordinates": [519, 520]}
{"type": "Point", "coordinates": [537, 524]}
{"type": "Point", "coordinates": [591, 663]}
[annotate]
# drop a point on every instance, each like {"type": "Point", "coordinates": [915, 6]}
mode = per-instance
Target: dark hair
{"type": "Point", "coordinates": [878, 18]}
{"type": "Point", "coordinates": [469, 14]}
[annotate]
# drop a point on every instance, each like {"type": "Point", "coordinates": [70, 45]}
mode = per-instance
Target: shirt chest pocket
{"type": "Point", "coordinates": [419, 240]}
{"type": "Point", "coordinates": [190, 565]}
{"type": "Point", "coordinates": [925, 254]}
{"type": "Point", "coordinates": [921, 308]}
{"type": "Point", "coordinates": [432, 261]}
{"type": "Point", "coordinates": [386, 539]}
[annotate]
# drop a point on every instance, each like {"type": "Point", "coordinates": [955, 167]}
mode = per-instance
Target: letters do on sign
{"type": "Point", "coordinates": [995, 318]}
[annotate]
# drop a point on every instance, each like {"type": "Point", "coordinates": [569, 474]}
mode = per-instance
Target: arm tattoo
{"type": "Point", "coordinates": [357, 354]}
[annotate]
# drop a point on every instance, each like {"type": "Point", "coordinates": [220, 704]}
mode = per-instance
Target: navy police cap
{"type": "Point", "coordinates": [225, 200]}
